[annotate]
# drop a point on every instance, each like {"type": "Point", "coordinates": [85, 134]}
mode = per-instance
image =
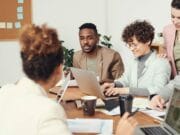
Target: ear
{"type": "Point", "coordinates": [59, 69]}
{"type": "Point", "coordinates": [149, 43]}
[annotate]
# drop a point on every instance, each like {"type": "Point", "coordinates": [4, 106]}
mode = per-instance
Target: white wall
{"type": "Point", "coordinates": [110, 16]}
{"type": "Point", "coordinates": [123, 12]}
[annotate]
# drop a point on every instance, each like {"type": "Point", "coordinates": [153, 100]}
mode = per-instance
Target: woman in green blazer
{"type": "Point", "coordinates": [147, 73]}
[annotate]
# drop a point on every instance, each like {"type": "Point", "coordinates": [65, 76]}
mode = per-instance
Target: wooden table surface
{"type": "Point", "coordinates": [72, 111]}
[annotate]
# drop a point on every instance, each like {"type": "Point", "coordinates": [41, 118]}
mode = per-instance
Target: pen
{"type": "Point", "coordinates": [148, 108]}
{"type": "Point", "coordinates": [133, 113]}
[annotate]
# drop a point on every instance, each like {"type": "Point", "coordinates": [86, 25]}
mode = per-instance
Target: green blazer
{"type": "Point", "coordinates": [154, 76]}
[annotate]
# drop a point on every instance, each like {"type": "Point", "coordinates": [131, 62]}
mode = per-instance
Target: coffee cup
{"type": "Point", "coordinates": [125, 102]}
{"type": "Point", "coordinates": [88, 104]}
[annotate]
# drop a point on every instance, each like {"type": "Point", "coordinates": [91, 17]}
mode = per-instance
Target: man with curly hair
{"type": "Point", "coordinates": [147, 73]}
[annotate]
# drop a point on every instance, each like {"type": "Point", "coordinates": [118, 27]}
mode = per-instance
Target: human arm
{"type": "Point", "coordinates": [116, 66]}
{"type": "Point", "coordinates": [167, 90]}
{"type": "Point", "coordinates": [161, 73]}
{"type": "Point", "coordinates": [162, 96]}
{"type": "Point", "coordinates": [75, 60]}
{"type": "Point", "coordinates": [126, 125]}
{"type": "Point", "coordinates": [111, 89]}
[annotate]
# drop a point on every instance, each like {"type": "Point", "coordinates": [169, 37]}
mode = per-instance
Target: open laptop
{"type": "Point", "coordinates": [88, 84]}
{"type": "Point", "coordinates": [171, 125]}
{"type": "Point", "coordinates": [63, 89]}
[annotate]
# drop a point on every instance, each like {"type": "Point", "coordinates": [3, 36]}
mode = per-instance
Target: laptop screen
{"type": "Point", "coordinates": [63, 89]}
{"type": "Point", "coordinates": [173, 115]}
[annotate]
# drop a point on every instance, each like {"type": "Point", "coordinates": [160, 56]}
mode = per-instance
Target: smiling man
{"type": "Point", "coordinates": [147, 73]}
{"type": "Point", "coordinates": [105, 62]}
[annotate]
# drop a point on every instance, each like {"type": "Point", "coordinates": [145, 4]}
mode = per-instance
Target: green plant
{"type": "Point", "coordinates": [68, 57]}
{"type": "Point", "coordinates": [105, 40]}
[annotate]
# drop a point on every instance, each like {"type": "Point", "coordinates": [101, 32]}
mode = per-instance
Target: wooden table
{"type": "Point", "coordinates": [72, 111]}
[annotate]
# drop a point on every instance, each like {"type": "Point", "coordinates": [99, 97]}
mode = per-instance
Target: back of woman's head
{"type": "Point", "coordinates": [41, 51]}
{"type": "Point", "coordinates": [175, 4]}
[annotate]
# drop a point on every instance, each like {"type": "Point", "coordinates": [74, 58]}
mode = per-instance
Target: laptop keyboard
{"type": "Point", "coordinates": [154, 131]}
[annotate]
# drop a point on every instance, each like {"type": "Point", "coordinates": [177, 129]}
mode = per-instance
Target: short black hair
{"type": "Point", "coordinates": [89, 26]}
{"type": "Point", "coordinates": [175, 4]}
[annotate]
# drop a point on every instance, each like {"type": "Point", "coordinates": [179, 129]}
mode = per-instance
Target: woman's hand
{"type": "Point", "coordinates": [157, 102]}
{"type": "Point", "coordinates": [126, 125]}
{"type": "Point", "coordinates": [162, 55]}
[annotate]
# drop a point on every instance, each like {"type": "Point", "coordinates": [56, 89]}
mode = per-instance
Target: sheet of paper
{"type": "Point", "coordinates": [71, 83]}
{"type": "Point", "coordinates": [141, 103]}
{"type": "Point", "coordinates": [17, 25]}
{"type": "Point", "coordinates": [154, 113]}
{"type": "Point", "coordinates": [101, 126]}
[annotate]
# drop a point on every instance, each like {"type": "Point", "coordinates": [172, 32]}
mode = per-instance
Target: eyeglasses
{"type": "Point", "coordinates": [131, 45]}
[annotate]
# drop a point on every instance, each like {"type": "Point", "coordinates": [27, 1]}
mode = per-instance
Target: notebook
{"type": "Point", "coordinates": [88, 84]}
{"type": "Point", "coordinates": [171, 125]}
{"type": "Point", "coordinates": [63, 89]}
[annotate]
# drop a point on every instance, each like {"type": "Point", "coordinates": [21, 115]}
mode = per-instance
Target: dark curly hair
{"type": "Point", "coordinates": [142, 30]}
{"type": "Point", "coordinates": [41, 51]}
{"type": "Point", "coordinates": [175, 4]}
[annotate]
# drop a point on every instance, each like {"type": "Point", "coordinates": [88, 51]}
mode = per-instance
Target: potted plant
{"type": "Point", "coordinates": [68, 57]}
{"type": "Point", "coordinates": [105, 40]}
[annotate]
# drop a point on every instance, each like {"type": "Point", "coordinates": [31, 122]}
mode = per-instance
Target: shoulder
{"type": "Point", "coordinates": [169, 27]}
{"type": "Point", "coordinates": [77, 54]}
{"type": "Point", "coordinates": [161, 62]}
{"type": "Point", "coordinates": [107, 51]}
{"type": "Point", "coordinates": [44, 106]}
{"type": "Point", "coordinates": [8, 88]}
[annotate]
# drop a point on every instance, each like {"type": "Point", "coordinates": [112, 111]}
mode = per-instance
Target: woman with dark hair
{"type": "Point", "coordinates": [171, 34]}
{"type": "Point", "coordinates": [147, 73]}
{"type": "Point", "coordinates": [25, 108]}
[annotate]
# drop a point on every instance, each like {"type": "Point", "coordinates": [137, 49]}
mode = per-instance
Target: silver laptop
{"type": "Point", "coordinates": [63, 89]}
{"type": "Point", "coordinates": [171, 125]}
{"type": "Point", "coordinates": [88, 83]}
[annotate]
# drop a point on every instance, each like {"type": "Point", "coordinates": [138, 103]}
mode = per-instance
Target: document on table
{"type": "Point", "coordinates": [101, 126]}
{"type": "Point", "coordinates": [72, 83]}
{"type": "Point", "coordinates": [154, 113]}
{"type": "Point", "coordinates": [141, 103]}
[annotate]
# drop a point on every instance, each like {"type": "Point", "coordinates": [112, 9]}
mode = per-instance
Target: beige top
{"type": "Point", "coordinates": [91, 64]}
